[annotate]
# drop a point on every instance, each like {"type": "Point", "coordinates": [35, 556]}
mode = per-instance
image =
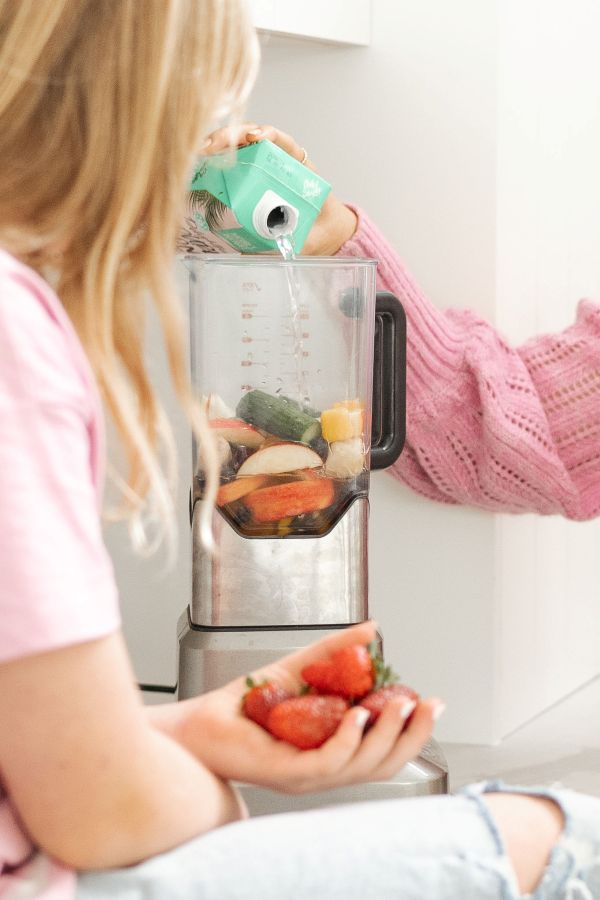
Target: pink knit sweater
{"type": "Point", "coordinates": [513, 429]}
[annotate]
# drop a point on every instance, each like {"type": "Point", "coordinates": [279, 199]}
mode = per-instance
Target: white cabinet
{"type": "Point", "coordinates": [334, 21]}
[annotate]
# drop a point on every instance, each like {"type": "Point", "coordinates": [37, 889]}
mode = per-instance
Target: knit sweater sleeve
{"type": "Point", "coordinates": [506, 429]}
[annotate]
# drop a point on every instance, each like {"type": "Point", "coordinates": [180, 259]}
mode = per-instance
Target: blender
{"type": "Point", "coordinates": [302, 367]}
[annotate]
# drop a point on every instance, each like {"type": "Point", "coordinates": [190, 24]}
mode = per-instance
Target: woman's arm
{"type": "Point", "coordinates": [505, 429]}
{"type": "Point", "coordinates": [93, 783]}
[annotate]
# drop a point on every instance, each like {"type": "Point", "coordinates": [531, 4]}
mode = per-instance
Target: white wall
{"type": "Point", "coordinates": [470, 131]}
{"type": "Point", "coordinates": [548, 256]}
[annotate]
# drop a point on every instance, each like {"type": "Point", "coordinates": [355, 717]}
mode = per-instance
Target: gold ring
{"type": "Point", "coordinates": [304, 156]}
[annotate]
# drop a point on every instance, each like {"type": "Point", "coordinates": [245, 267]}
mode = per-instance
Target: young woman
{"type": "Point", "coordinates": [103, 107]}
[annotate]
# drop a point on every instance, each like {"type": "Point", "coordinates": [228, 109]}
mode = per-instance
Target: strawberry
{"type": "Point", "coordinates": [260, 700]}
{"type": "Point", "coordinates": [349, 672]}
{"type": "Point", "coordinates": [293, 498]}
{"type": "Point", "coordinates": [376, 701]}
{"type": "Point", "coordinates": [308, 721]}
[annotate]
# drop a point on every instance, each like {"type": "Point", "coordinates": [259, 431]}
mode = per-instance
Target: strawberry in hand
{"type": "Point", "coordinates": [349, 672]}
{"type": "Point", "coordinates": [377, 700]}
{"type": "Point", "coordinates": [260, 699]}
{"type": "Point", "coordinates": [307, 721]}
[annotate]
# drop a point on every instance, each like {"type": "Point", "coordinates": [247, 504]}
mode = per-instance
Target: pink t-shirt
{"type": "Point", "coordinates": [57, 586]}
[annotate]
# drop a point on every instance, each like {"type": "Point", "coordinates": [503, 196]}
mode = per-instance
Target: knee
{"type": "Point", "coordinates": [529, 827]}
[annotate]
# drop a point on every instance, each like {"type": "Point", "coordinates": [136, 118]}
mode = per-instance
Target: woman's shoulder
{"type": "Point", "coordinates": [40, 354]}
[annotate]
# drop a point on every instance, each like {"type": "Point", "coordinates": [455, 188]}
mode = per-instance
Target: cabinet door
{"type": "Point", "coordinates": [335, 21]}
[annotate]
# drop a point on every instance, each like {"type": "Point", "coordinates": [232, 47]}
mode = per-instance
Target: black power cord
{"type": "Point", "coordinates": [158, 688]}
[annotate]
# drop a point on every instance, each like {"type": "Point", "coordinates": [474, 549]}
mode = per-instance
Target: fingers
{"type": "Point", "coordinates": [324, 768]}
{"type": "Point", "coordinates": [283, 140]}
{"type": "Point", "coordinates": [227, 138]}
{"type": "Point", "coordinates": [249, 132]}
{"type": "Point", "coordinates": [350, 757]}
{"type": "Point", "coordinates": [384, 739]}
{"type": "Point", "coordinates": [416, 733]}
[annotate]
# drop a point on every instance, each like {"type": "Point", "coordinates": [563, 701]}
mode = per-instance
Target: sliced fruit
{"type": "Point", "coordinates": [376, 701]}
{"type": "Point", "coordinates": [261, 699]}
{"type": "Point", "coordinates": [216, 407]}
{"type": "Point", "coordinates": [279, 458]}
{"type": "Point", "coordinates": [236, 431]}
{"type": "Point", "coordinates": [235, 490]}
{"type": "Point", "coordinates": [340, 423]}
{"type": "Point", "coordinates": [346, 458]}
{"type": "Point", "coordinates": [349, 672]}
{"type": "Point", "coordinates": [270, 504]}
{"type": "Point", "coordinates": [335, 424]}
{"type": "Point", "coordinates": [279, 416]}
{"type": "Point", "coordinates": [307, 722]}
{"type": "Point", "coordinates": [284, 526]}
{"type": "Point", "coordinates": [223, 454]}
{"type": "Point", "coordinates": [350, 404]}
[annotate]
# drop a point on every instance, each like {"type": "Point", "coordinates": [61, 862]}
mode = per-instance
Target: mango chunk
{"type": "Point", "coordinates": [336, 424]}
{"type": "Point", "coordinates": [341, 423]}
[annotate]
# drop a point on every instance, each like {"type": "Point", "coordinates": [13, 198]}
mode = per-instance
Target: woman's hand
{"type": "Point", "coordinates": [335, 224]}
{"type": "Point", "coordinates": [213, 728]}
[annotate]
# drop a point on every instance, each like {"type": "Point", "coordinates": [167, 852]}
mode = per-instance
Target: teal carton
{"type": "Point", "coordinates": [242, 201]}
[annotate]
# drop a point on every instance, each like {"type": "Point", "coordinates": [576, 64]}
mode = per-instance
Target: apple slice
{"type": "Point", "coordinates": [294, 498]}
{"type": "Point", "coordinates": [236, 431]}
{"type": "Point", "coordinates": [235, 490]}
{"type": "Point", "coordinates": [278, 458]}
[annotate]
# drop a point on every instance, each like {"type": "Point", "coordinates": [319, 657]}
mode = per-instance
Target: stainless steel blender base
{"type": "Point", "coordinates": [208, 658]}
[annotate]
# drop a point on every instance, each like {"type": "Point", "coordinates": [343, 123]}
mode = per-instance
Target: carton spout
{"type": "Point", "coordinates": [274, 217]}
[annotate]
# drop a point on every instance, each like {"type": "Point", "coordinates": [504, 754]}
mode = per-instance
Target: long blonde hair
{"type": "Point", "coordinates": [103, 107]}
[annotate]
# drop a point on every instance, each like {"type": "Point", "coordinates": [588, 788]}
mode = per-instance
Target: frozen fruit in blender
{"type": "Point", "coordinates": [279, 458]}
{"type": "Point", "coordinates": [235, 490]}
{"type": "Point", "coordinates": [346, 458]}
{"type": "Point", "coordinates": [280, 501]}
{"type": "Point", "coordinates": [341, 422]}
{"type": "Point", "coordinates": [279, 416]}
{"type": "Point", "coordinates": [377, 700]}
{"type": "Point", "coordinates": [236, 431]}
{"type": "Point", "coordinates": [260, 700]}
{"type": "Point", "coordinates": [307, 722]}
{"type": "Point", "coordinates": [216, 407]}
{"type": "Point", "coordinates": [349, 672]}
{"type": "Point", "coordinates": [224, 456]}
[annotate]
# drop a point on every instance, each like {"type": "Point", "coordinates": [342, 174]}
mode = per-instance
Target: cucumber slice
{"type": "Point", "coordinates": [279, 416]}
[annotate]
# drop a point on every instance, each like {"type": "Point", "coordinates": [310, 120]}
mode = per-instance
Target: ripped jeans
{"type": "Point", "coordinates": [433, 848]}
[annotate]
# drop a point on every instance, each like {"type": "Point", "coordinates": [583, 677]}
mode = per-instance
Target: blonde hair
{"type": "Point", "coordinates": [103, 107]}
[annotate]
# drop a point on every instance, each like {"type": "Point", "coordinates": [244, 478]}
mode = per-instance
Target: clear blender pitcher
{"type": "Point", "coordinates": [303, 396]}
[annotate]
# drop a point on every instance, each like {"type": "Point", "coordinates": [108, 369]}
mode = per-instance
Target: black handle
{"type": "Point", "coordinates": [388, 427]}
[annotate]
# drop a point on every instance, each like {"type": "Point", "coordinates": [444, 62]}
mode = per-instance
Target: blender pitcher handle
{"type": "Point", "coordinates": [388, 427]}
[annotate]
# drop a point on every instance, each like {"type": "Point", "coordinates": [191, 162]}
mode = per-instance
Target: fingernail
{"type": "Point", "coordinates": [361, 717]}
{"type": "Point", "coordinates": [437, 712]}
{"type": "Point", "coordinates": [206, 143]}
{"type": "Point", "coordinates": [255, 131]}
{"type": "Point", "coordinates": [406, 710]}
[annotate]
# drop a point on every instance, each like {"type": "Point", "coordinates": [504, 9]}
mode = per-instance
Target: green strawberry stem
{"type": "Point", "coordinates": [383, 674]}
